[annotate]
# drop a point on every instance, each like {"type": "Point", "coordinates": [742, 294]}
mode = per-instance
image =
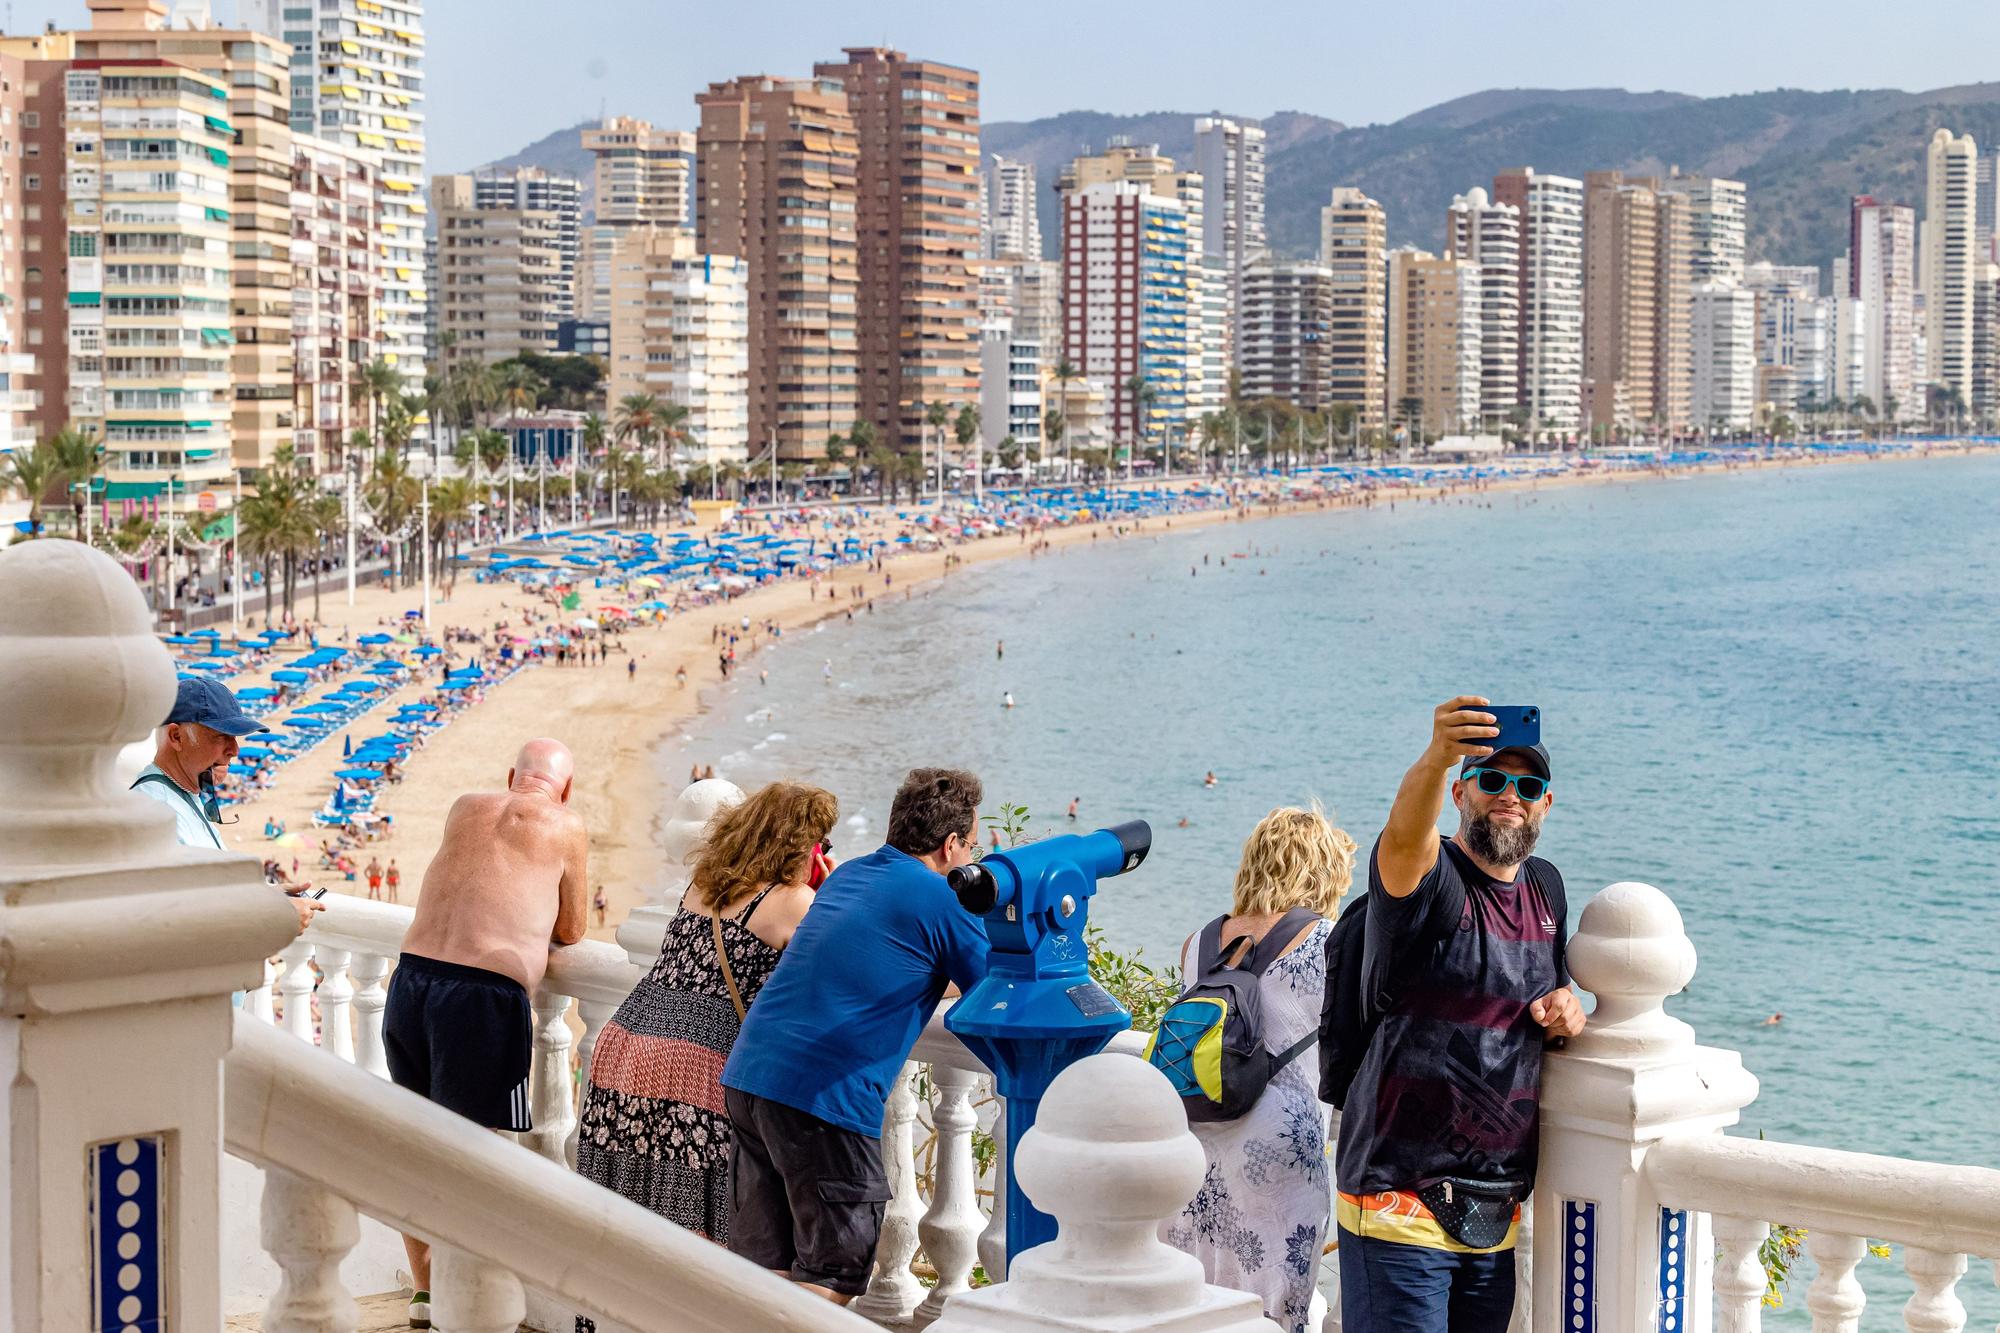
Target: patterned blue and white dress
{"type": "Point", "coordinates": [1259, 1220]}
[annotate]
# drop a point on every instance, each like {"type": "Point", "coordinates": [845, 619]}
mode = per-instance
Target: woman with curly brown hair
{"type": "Point", "coordinates": [653, 1124]}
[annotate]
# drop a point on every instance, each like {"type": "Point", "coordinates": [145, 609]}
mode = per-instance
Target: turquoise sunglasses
{"type": "Point", "coordinates": [1493, 781]}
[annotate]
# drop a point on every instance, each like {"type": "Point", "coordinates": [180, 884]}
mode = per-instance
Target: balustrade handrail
{"type": "Point", "coordinates": [588, 970]}
{"type": "Point", "coordinates": [419, 1167]}
{"type": "Point", "coordinates": [1925, 1205]}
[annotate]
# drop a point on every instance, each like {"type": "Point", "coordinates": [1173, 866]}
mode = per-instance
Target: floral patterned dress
{"type": "Point", "coordinates": [653, 1124]}
{"type": "Point", "coordinates": [1259, 1220]}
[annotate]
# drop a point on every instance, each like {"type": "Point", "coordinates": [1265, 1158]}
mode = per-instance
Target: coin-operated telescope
{"type": "Point", "coordinates": [1037, 1011]}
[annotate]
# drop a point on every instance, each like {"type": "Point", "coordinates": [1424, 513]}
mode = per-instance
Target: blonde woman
{"type": "Point", "coordinates": [1260, 1217]}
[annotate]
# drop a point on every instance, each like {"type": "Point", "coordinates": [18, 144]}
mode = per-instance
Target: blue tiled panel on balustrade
{"type": "Point", "coordinates": [125, 1238]}
{"type": "Point", "coordinates": [1676, 1254]}
{"type": "Point", "coordinates": [1580, 1270]}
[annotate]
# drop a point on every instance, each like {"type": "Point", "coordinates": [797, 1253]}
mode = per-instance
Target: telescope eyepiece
{"type": "Point", "coordinates": [1135, 839]}
{"type": "Point", "coordinates": [975, 887]}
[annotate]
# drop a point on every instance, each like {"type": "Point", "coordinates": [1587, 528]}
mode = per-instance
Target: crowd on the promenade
{"type": "Point", "coordinates": [740, 1089]}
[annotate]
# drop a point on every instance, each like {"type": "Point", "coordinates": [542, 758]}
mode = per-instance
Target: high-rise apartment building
{"type": "Point", "coordinates": [500, 283]}
{"type": "Point", "coordinates": [1488, 234]}
{"type": "Point", "coordinates": [916, 232]}
{"type": "Point", "coordinates": [357, 79]}
{"type": "Point", "coordinates": [1126, 303]}
{"type": "Point", "coordinates": [1012, 229]}
{"type": "Point", "coordinates": [1723, 328]}
{"type": "Point", "coordinates": [1620, 299]}
{"type": "Point", "coordinates": [1229, 155]}
{"type": "Point", "coordinates": [1434, 343]}
{"type": "Point", "coordinates": [1010, 389]}
{"type": "Point", "coordinates": [18, 366]}
{"type": "Point", "coordinates": [143, 303]}
{"type": "Point", "coordinates": [642, 178]}
{"type": "Point", "coordinates": [1673, 307]}
{"type": "Point", "coordinates": [1950, 263]}
{"type": "Point", "coordinates": [680, 331]}
{"type": "Point", "coordinates": [251, 67]}
{"type": "Point", "coordinates": [1285, 332]}
{"type": "Point", "coordinates": [1794, 334]}
{"type": "Point", "coordinates": [775, 180]}
{"type": "Point", "coordinates": [1881, 274]}
{"type": "Point", "coordinates": [1716, 226]}
{"type": "Point", "coordinates": [1122, 160]}
{"type": "Point", "coordinates": [1985, 402]}
{"type": "Point", "coordinates": [532, 190]}
{"type": "Point", "coordinates": [334, 270]}
{"type": "Point", "coordinates": [1211, 336]}
{"type": "Point", "coordinates": [1354, 243]}
{"type": "Point", "coordinates": [1550, 360]}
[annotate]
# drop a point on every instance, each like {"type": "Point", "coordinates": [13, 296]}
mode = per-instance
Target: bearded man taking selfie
{"type": "Point", "coordinates": [1464, 941]}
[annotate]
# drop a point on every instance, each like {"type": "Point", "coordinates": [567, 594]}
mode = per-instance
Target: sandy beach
{"type": "Point", "coordinates": [614, 723]}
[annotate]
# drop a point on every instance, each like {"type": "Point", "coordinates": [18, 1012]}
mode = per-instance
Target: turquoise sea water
{"type": "Point", "coordinates": [1772, 695]}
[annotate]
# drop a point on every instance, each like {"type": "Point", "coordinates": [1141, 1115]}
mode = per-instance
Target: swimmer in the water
{"type": "Point", "coordinates": [1007, 699]}
{"type": "Point", "coordinates": [1209, 781]}
{"type": "Point", "coordinates": [1072, 806]}
{"type": "Point", "coordinates": [1772, 1021]}
{"type": "Point", "coordinates": [1184, 822]}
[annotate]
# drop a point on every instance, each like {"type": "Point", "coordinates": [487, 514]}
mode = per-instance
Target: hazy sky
{"type": "Point", "coordinates": [505, 72]}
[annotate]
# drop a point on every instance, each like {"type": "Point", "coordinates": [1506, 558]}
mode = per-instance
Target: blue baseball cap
{"type": "Point", "coordinates": [209, 703]}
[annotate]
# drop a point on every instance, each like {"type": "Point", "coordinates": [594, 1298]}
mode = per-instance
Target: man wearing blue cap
{"type": "Point", "coordinates": [199, 736]}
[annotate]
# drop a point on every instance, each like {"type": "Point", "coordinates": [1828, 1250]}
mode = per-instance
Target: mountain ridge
{"type": "Point", "coordinates": [1801, 154]}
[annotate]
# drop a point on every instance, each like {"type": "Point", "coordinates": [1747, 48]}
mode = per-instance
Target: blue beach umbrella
{"type": "Point", "coordinates": [427, 650]}
{"type": "Point", "coordinates": [322, 707]}
{"type": "Point", "coordinates": [357, 774]}
{"type": "Point", "coordinates": [374, 640]}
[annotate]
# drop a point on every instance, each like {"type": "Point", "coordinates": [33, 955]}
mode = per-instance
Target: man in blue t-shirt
{"type": "Point", "coordinates": [826, 1038]}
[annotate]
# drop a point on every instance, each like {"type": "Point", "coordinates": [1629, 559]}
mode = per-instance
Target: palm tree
{"type": "Point", "coordinates": [379, 381]}
{"type": "Point", "coordinates": [35, 472]}
{"type": "Point", "coordinates": [965, 429]}
{"type": "Point", "coordinates": [637, 418]}
{"type": "Point", "coordinates": [1142, 396]}
{"type": "Point", "coordinates": [935, 417]}
{"type": "Point", "coordinates": [328, 515]}
{"type": "Point", "coordinates": [452, 501]}
{"type": "Point", "coordinates": [520, 389]}
{"type": "Point", "coordinates": [394, 494]}
{"type": "Point", "coordinates": [78, 453]}
{"type": "Point", "coordinates": [882, 460]}
{"type": "Point", "coordinates": [674, 418]}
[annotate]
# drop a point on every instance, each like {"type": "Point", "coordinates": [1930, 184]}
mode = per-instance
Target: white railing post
{"type": "Point", "coordinates": [1739, 1273]}
{"type": "Point", "coordinates": [1633, 1078]}
{"type": "Point", "coordinates": [893, 1290]}
{"type": "Point", "coordinates": [1934, 1306]}
{"type": "Point", "coordinates": [950, 1227]}
{"type": "Point", "coordinates": [122, 948]}
{"type": "Point", "coordinates": [1835, 1296]}
{"type": "Point", "coordinates": [1110, 1158]}
{"type": "Point", "coordinates": [371, 994]}
{"type": "Point", "coordinates": [336, 996]}
{"type": "Point", "coordinates": [993, 1240]}
{"type": "Point", "coordinates": [645, 927]}
{"type": "Point", "coordinates": [295, 989]}
{"type": "Point", "coordinates": [257, 1001]}
{"type": "Point", "coordinates": [551, 1084]}
{"type": "Point", "coordinates": [595, 1014]}
{"type": "Point", "coordinates": [469, 1295]}
{"type": "Point", "coordinates": [307, 1231]}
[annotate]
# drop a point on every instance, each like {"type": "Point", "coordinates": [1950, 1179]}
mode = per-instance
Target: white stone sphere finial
{"type": "Point", "coordinates": [81, 676]}
{"type": "Point", "coordinates": [1631, 951]}
{"type": "Point", "coordinates": [687, 825]}
{"type": "Point", "coordinates": [1110, 1158]}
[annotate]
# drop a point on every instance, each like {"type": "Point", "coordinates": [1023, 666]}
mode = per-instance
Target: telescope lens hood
{"type": "Point", "coordinates": [1136, 839]}
{"type": "Point", "coordinates": [976, 889]}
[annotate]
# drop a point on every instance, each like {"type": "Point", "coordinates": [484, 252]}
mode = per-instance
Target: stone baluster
{"type": "Point", "coordinates": [993, 1240]}
{"type": "Point", "coordinates": [121, 949]}
{"type": "Point", "coordinates": [295, 988]}
{"type": "Point", "coordinates": [336, 995]}
{"type": "Point", "coordinates": [307, 1230]}
{"type": "Point", "coordinates": [1110, 1158]}
{"type": "Point", "coordinates": [645, 926]}
{"type": "Point", "coordinates": [595, 1014]}
{"type": "Point", "coordinates": [893, 1290]}
{"type": "Point", "coordinates": [469, 1295]}
{"type": "Point", "coordinates": [371, 993]}
{"type": "Point", "coordinates": [257, 1003]}
{"type": "Point", "coordinates": [950, 1227]}
{"type": "Point", "coordinates": [551, 1084]}
{"type": "Point", "coordinates": [1739, 1273]}
{"type": "Point", "coordinates": [1934, 1307]}
{"type": "Point", "coordinates": [1835, 1296]}
{"type": "Point", "coordinates": [1633, 1078]}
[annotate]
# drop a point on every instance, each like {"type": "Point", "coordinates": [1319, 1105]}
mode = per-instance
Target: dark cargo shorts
{"type": "Point", "coordinates": [806, 1197]}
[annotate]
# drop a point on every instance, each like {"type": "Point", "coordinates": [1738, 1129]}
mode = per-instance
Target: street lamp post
{"type": "Point", "coordinates": [353, 470]}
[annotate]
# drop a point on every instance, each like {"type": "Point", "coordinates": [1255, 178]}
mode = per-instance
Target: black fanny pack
{"type": "Point", "coordinates": [1475, 1213]}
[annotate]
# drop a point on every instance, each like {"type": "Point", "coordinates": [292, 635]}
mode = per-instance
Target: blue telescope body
{"type": "Point", "coordinates": [1037, 1011]}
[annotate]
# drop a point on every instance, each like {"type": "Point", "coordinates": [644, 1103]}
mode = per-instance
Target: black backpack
{"type": "Point", "coordinates": [1210, 1042]}
{"type": "Point", "coordinates": [1360, 990]}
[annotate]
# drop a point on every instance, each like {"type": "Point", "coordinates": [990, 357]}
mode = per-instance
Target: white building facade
{"type": "Point", "coordinates": [680, 330]}
{"type": "Point", "coordinates": [1950, 264]}
{"type": "Point", "coordinates": [1488, 234]}
{"type": "Point", "coordinates": [1723, 337]}
{"type": "Point", "coordinates": [1010, 389]}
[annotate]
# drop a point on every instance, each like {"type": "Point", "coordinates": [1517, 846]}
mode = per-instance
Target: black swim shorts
{"type": "Point", "coordinates": [461, 1036]}
{"type": "Point", "coordinates": [806, 1197]}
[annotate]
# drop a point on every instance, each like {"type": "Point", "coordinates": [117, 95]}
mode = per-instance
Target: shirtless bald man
{"type": "Point", "coordinates": [508, 881]}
